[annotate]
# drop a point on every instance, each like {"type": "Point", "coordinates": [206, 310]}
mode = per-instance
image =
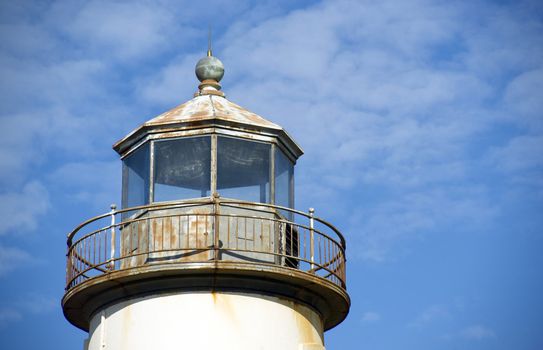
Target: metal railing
{"type": "Point", "coordinates": [210, 229]}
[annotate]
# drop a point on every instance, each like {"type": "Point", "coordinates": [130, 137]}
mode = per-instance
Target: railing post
{"type": "Point", "coordinates": [112, 232]}
{"type": "Point", "coordinates": [312, 238]}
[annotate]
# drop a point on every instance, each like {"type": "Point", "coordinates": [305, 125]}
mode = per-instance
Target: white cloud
{"type": "Point", "coordinates": [174, 84]}
{"type": "Point", "coordinates": [399, 113]}
{"type": "Point", "coordinates": [501, 40]}
{"type": "Point", "coordinates": [36, 40]}
{"type": "Point", "coordinates": [28, 304]}
{"type": "Point", "coordinates": [124, 30]}
{"type": "Point", "coordinates": [430, 315]}
{"type": "Point", "coordinates": [477, 332]}
{"type": "Point", "coordinates": [408, 215]}
{"type": "Point", "coordinates": [20, 211]}
{"type": "Point", "coordinates": [11, 258]}
{"type": "Point", "coordinates": [371, 317]}
{"type": "Point", "coordinates": [92, 182]}
{"type": "Point", "coordinates": [9, 315]}
{"type": "Point", "coordinates": [17, 148]}
{"type": "Point", "coordinates": [366, 117]}
{"type": "Point", "coordinates": [523, 100]}
{"type": "Point", "coordinates": [520, 154]}
{"type": "Point", "coordinates": [36, 303]}
{"type": "Point", "coordinates": [60, 116]}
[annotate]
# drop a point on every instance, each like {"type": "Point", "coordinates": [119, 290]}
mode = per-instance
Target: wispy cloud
{"type": "Point", "coordinates": [20, 211]}
{"type": "Point", "coordinates": [28, 304]}
{"type": "Point", "coordinates": [11, 258]}
{"type": "Point", "coordinates": [399, 114]}
{"type": "Point", "coordinates": [409, 214]}
{"type": "Point", "coordinates": [371, 317]}
{"type": "Point", "coordinates": [36, 303]}
{"type": "Point", "coordinates": [9, 315]}
{"type": "Point", "coordinates": [123, 30]}
{"type": "Point", "coordinates": [474, 333]}
{"type": "Point", "coordinates": [477, 332]}
{"type": "Point", "coordinates": [96, 183]}
{"type": "Point", "coordinates": [430, 315]}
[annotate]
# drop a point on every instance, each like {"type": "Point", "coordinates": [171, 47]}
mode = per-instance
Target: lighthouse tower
{"type": "Point", "coordinates": [206, 250]}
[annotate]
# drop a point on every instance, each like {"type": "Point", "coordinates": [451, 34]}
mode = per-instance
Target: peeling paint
{"type": "Point", "coordinates": [210, 107]}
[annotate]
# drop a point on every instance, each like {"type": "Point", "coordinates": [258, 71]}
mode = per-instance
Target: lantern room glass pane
{"type": "Point", "coordinates": [284, 173]}
{"type": "Point", "coordinates": [243, 169]}
{"type": "Point", "coordinates": [136, 178]}
{"type": "Point", "coordinates": [182, 168]}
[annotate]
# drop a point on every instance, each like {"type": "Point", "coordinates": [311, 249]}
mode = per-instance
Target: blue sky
{"type": "Point", "coordinates": [421, 122]}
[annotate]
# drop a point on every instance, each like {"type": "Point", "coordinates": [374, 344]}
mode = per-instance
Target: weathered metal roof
{"type": "Point", "coordinates": [209, 108]}
{"type": "Point", "coordinates": [206, 107]}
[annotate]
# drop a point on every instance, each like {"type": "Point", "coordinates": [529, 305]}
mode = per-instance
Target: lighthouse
{"type": "Point", "coordinates": [206, 250]}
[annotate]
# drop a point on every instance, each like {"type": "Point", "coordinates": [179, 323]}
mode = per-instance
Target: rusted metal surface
{"type": "Point", "coordinates": [207, 111]}
{"type": "Point", "coordinates": [202, 231]}
{"type": "Point", "coordinates": [210, 107]}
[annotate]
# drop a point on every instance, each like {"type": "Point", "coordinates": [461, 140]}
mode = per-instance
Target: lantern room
{"type": "Point", "coordinates": [207, 146]}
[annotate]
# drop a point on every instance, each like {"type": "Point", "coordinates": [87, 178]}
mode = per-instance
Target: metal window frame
{"type": "Point", "coordinates": [214, 133]}
{"type": "Point", "coordinates": [152, 162]}
{"type": "Point", "coordinates": [271, 158]}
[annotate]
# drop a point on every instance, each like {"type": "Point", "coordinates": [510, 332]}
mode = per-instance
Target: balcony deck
{"type": "Point", "coordinates": [205, 244]}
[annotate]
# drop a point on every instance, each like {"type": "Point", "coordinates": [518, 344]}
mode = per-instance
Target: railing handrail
{"type": "Point", "coordinates": [298, 243]}
{"type": "Point", "coordinates": [202, 201]}
{"type": "Point", "coordinates": [175, 204]}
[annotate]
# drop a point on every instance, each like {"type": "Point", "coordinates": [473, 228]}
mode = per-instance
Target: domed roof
{"type": "Point", "coordinates": [205, 107]}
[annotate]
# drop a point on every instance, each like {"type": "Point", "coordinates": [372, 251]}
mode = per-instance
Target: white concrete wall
{"type": "Point", "coordinates": [211, 321]}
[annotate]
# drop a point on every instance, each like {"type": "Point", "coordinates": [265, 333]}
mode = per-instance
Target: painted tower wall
{"type": "Point", "coordinates": [214, 321]}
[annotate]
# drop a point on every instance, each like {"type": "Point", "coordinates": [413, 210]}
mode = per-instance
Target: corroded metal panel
{"type": "Point", "coordinates": [167, 236]}
{"type": "Point", "coordinates": [134, 244]}
{"type": "Point", "coordinates": [247, 234]}
{"type": "Point", "coordinates": [188, 235]}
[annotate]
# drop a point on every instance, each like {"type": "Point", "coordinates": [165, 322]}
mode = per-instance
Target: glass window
{"type": "Point", "coordinates": [284, 172]}
{"type": "Point", "coordinates": [243, 169]}
{"type": "Point", "coordinates": [182, 168]}
{"type": "Point", "coordinates": [136, 178]}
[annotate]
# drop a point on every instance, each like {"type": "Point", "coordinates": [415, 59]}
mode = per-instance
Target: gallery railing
{"type": "Point", "coordinates": [209, 229]}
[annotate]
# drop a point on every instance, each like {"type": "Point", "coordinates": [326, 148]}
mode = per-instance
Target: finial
{"type": "Point", "coordinates": [209, 52]}
{"type": "Point", "coordinates": [209, 70]}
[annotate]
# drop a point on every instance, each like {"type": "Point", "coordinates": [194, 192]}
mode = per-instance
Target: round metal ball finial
{"type": "Point", "coordinates": [209, 68]}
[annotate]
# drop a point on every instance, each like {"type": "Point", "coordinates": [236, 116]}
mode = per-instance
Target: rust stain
{"type": "Point", "coordinates": [141, 242]}
{"type": "Point", "coordinates": [223, 304]}
{"type": "Point", "coordinates": [214, 297]}
{"type": "Point", "coordinates": [202, 107]}
{"type": "Point", "coordinates": [173, 231]}
{"type": "Point", "coordinates": [305, 322]}
{"type": "Point", "coordinates": [165, 233]}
